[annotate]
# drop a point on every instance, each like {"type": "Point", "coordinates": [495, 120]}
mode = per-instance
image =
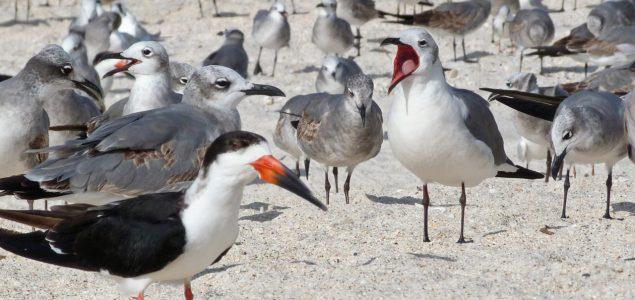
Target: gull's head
{"type": "Point", "coordinates": [142, 58]}
{"type": "Point", "coordinates": [327, 7]}
{"type": "Point", "coordinates": [73, 44]}
{"type": "Point", "coordinates": [180, 74]}
{"type": "Point", "coordinates": [521, 81]}
{"type": "Point", "coordinates": [240, 157]}
{"type": "Point", "coordinates": [568, 133]}
{"type": "Point", "coordinates": [222, 86]}
{"type": "Point", "coordinates": [278, 9]}
{"type": "Point", "coordinates": [417, 52]}
{"type": "Point", "coordinates": [330, 66]}
{"type": "Point", "coordinates": [233, 35]}
{"type": "Point", "coordinates": [53, 69]}
{"type": "Point", "coordinates": [359, 91]}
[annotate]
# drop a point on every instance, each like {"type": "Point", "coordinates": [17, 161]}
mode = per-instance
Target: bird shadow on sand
{"type": "Point", "coordinates": [261, 205]}
{"type": "Point", "coordinates": [270, 212]}
{"type": "Point", "coordinates": [230, 15]}
{"type": "Point", "coordinates": [432, 256]}
{"type": "Point", "coordinates": [624, 206]}
{"type": "Point", "coordinates": [574, 69]}
{"type": "Point", "coordinates": [215, 270]}
{"type": "Point", "coordinates": [473, 57]}
{"type": "Point", "coordinates": [307, 69]}
{"type": "Point", "coordinates": [402, 201]}
{"type": "Point", "coordinates": [36, 22]}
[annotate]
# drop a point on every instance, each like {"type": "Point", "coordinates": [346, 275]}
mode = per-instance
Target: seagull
{"type": "Point", "coordinates": [610, 14]}
{"type": "Point", "coordinates": [499, 24]}
{"type": "Point", "coordinates": [457, 19]}
{"type": "Point", "coordinates": [440, 133]}
{"type": "Point", "coordinates": [357, 13]}
{"type": "Point", "coordinates": [162, 237]}
{"type": "Point", "coordinates": [271, 30]}
{"type": "Point", "coordinates": [331, 34]}
{"type": "Point", "coordinates": [568, 45]}
{"type": "Point", "coordinates": [231, 54]}
{"type": "Point", "coordinates": [200, 8]}
{"type": "Point", "coordinates": [150, 151]}
{"type": "Point", "coordinates": [334, 73]}
{"type": "Point", "coordinates": [531, 28]}
{"type": "Point", "coordinates": [616, 80]}
{"type": "Point", "coordinates": [180, 74]}
{"type": "Point", "coordinates": [342, 130]}
{"type": "Point", "coordinates": [22, 98]}
{"type": "Point", "coordinates": [587, 127]}
{"type": "Point", "coordinates": [131, 26]}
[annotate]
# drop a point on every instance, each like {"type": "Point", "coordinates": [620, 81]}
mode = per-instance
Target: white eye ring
{"type": "Point", "coordinates": [66, 69]}
{"type": "Point", "coordinates": [567, 135]}
{"type": "Point", "coordinates": [147, 52]}
{"type": "Point", "coordinates": [222, 83]}
{"type": "Point", "coordinates": [183, 80]}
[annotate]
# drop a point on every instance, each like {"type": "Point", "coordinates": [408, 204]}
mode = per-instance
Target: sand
{"type": "Point", "coordinates": [371, 248]}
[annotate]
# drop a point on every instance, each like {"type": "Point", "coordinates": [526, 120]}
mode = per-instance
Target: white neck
{"type": "Point", "coordinates": [423, 86]}
{"type": "Point", "coordinates": [150, 92]}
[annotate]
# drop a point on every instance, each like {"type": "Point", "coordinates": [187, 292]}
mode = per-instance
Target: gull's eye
{"type": "Point", "coordinates": [183, 80]}
{"type": "Point", "coordinates": [66, 69]}
{"type": "Point", "coordinates": [567, 135]}
{"type": "Point", "coordinates": [349, 93]}
{"type": "Point", "coordinates": [423, 43]}
{"type": "Point", "coordinates": [222, 83]}
{"type": "Point", "coordinates": [147, 52]}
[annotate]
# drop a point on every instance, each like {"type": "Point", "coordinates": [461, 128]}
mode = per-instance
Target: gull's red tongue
{"type": "Point", "coordinates": [406, 62]}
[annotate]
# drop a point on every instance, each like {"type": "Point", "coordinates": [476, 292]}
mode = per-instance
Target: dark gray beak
{"type": "Point", "coordinates": [89, 88]}
{"type": "Point", "coordinates": [320, 5]}
{"type": "Point", "coordinates": [391, 41]}
{"type": "Point", "coordinates": [362, 114]}
{"type": "Point", "coordinates": [263, 89]}
{"type": "Point", "coordinates": [107, 55]}
{"type": "Point", "coordinates": [557, 163]}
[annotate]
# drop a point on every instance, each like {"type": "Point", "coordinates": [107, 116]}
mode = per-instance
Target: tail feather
{"type": "Point", "coordinates": [24, 188]}
{"type": "Point", "coordinates": [36, 218]}
{"type": "Point", "coordinates": [520, 172]}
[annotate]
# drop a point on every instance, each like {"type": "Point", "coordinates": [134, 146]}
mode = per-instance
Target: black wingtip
{"type": "Point", "coordinates": [521, 173]}
{"type": "Point", "coordinates": [295, 124]}
{"type": "Point", "coordinates": [23, 188]}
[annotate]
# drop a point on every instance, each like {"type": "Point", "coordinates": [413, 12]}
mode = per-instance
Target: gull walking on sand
{"type": "Point", "coordinates": [531, 28]}
{"type": "Point", "coordinates": [331, 34]}
{"type": "Point", "coordinates": [271, 30]}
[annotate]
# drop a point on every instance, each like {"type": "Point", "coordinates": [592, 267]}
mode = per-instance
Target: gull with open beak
{"type": "Point", "coordinates": [23, 120]}
{"type": "Point", "coordinates": [155, 150]}
{"type": "Point", "coordinates": [587, 127]}
{"type": "Point", "coordinates": [341, 130]}
{"type": "Point", "coordinates": [164, 237]}
{"type": "Point", "coordinates": [440, 133]}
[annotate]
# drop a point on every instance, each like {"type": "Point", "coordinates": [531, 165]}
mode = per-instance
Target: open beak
{"type": "Point", "coordinates": [362, 114]}
{"type": "Point", "coordinates": [557, 163]}
{"type": "Point", "coordinates": [89, 88]}
{"type": "Point", "coordinates": [122, 65]}
{"type": "Point", "coordinates": [406, 61]}
{"type": "Point", "coordinates": [263, 89]}
{"type": "Point", "coordinates": [273, 171]}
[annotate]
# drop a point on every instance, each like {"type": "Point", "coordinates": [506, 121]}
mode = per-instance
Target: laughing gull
{"type": "Point", "coordinates": [616, 80]}
{"type": "Point", "coordinates": [131, 26]}
{"type": "Point", "coordinates": [610, 14]}
{"type": "Point", "coordinates": [231, 54]}
{"type": "Point", "coordinates": [588, 127]}
{"type": "Point", "coordinates": [342, 130]}
{"type": "Point", "coordinates": [357, 13]}
{"type": "Point", "coordinates": [334, 74]}
{"type": "Point", "coordinates": [163, 237]}
{"type": "Point", "coordinates": [331, 34]}
{"type": "Point", "coordinates": [23, 119]}
{"type": "Point", "coordinates": [180, 74]}
{"type": "Point", "coordinates": [149, 151]}
{"type": "Point", "coordinates": [271, 30]}
{"type": "Point", "coordinates": [568, 45]}
{"type": "Point", "coordinates": [457, 19]}
{"type": "Point", "coordinates": [531, 28]}
{"type": "Point", "coordinates": [427, 111]}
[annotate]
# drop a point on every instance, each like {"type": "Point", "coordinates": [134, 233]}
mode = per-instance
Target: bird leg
{"type": "Point", "coordinates": [562, 6]}
{"type": "Point", "coordinates": [275, 61]}
{"type": "Point", "coordinates": [566, 193]}
{"type": "Point", "coordinates": [307, 163]}
{"type": "Point", "coordinates": [140, 296]}
{"type": "Point", "coordinates": [347, 185]}
{"type": "Point", "coordinates": [398, 8]}
{"type": "Point", "coordinates": [28, 9]}
{"type": "Point", "coordinates": [462, 201]}
{"type": "Point", "coordinates": [548, 166]}
{"type": "Point", "coordinates": [520, 68]}
{"type": "Point", "coordinates": [541, 59]}
{"type": "Point", "coordinates": [297, 168]}
{"type": "Point", "coordinates": [358, 44]}
{"type": "Point", "coordinates": [188, 290]}
{"type": "Point", "coordinates": [575, 173]}
{"type": "Point", "coordinates": [46, 205]}
{"type": "Point", "coordinates": [609, 184]}
{"type": "Point", "coordinates": [493, 32]}
{"type": "Point", "coordinates": [586, 69]}
{"type": "Point", "coordinates": [30, 202]}
{"type": "Point", "coordinates": [258, 68]}
{"type": "Point", "coordinates": [293, 8]}
{"type": "Point", "coordinates": [15, 10]}
{"type": "Point", "coordinates": [337, 188]}
{"type": "Point", "coordinates": [426, 204]}
{"type": "Point", "coordinates": [454, 46]}
{"type": "Point", "coordinates": [465, 59]}
{"type": "Point", "coordinates": [200, 8]}
{"type": "Point", "coordinates": [575, 4]}
{"type": "Point", "coordinates": [592, 169]}
{"type": "Point", "coordinates": [327, 185]}
{"type": "Point", "coordinates": [216, 14]}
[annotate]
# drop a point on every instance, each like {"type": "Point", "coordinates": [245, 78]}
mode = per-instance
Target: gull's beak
{"type": "Point", "coordinates": [320, 5]}
{"type": "Point", "coordinates": [362, 114]}
{"type": "Point", "coordinates": [107, 55]}
{"type": "Point", "coordinates": [89, 88]}
{"type": "Point", "coordinates": [263, 89]}
{"type": "Point", "coordinates": [271, 170]}
{"type": "Point", "coordinates": [391, 41]}
{"type": "Point", "coordinates": [221, 33]}
{"type": "Point", "coordinates": [557, 163]}
{"type": "Point", "coordinates": [405, 63]}
{"type": "Point", "coordinates": [122, 65]}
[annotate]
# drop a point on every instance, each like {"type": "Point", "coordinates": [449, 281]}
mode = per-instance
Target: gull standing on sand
{"type": "Point", "coordinates": [568, 45]}
{"type": "Point", "coordinates": [157, 237]}
{"type": "Point", "coordinates": [23, 120]}
{"type": "Point", "coordinates": [531, 28]}
{"type": "Point", "coordinates": [271, 30]}
{"type": "Point", "coordinates": [457, 19]}
{"type": "Point", "coordinates": [331, 34]}
{"type": "Point", "coordinates": [587, 128]}
{"type": "Point", "coordinates": [528, 151]}
{"type": "Point", "coordinates": [150, 151]}
{"type": "Point", "coordinates": [357, 13]}
{"type": "Point", "coordinates": [231, 54]}
{"type": "Point", "coordinates": [440, 133]}
{"type": "Point", "coordinates": [334, 74]}
{"type": "Point", "coordinates": [342, 130]}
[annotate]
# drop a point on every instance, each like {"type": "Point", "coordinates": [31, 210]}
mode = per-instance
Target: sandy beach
{"type": "Point", "coordinates": [371, 248]}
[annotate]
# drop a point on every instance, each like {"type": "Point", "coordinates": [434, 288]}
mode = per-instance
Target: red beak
{"type": "Point", "coordinates": [122, 66]}
{"type": "Point", "coordinates": [406, 62]}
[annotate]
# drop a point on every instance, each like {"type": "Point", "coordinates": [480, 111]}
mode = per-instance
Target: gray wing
{"type": "Point", "coordinates": [231, 56]}
{"type": "Point", "coordinates": [260, 18]}
{"type": "Point", "coordinates": [481, 123]}
{"type": "Point", "coordinates": [138, 153]}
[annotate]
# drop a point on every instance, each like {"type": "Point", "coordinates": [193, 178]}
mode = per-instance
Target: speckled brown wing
{"type": "Point", "coordinates": [308, 128]}
{"type": "Point", "coordinates": [600, 48]}
{"type": "Point", "coordinates": [574, 87]}
{"type": "Point", "coordinates": [446, 20]}
{"type": "Point", "coordinates": [40, 142]}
